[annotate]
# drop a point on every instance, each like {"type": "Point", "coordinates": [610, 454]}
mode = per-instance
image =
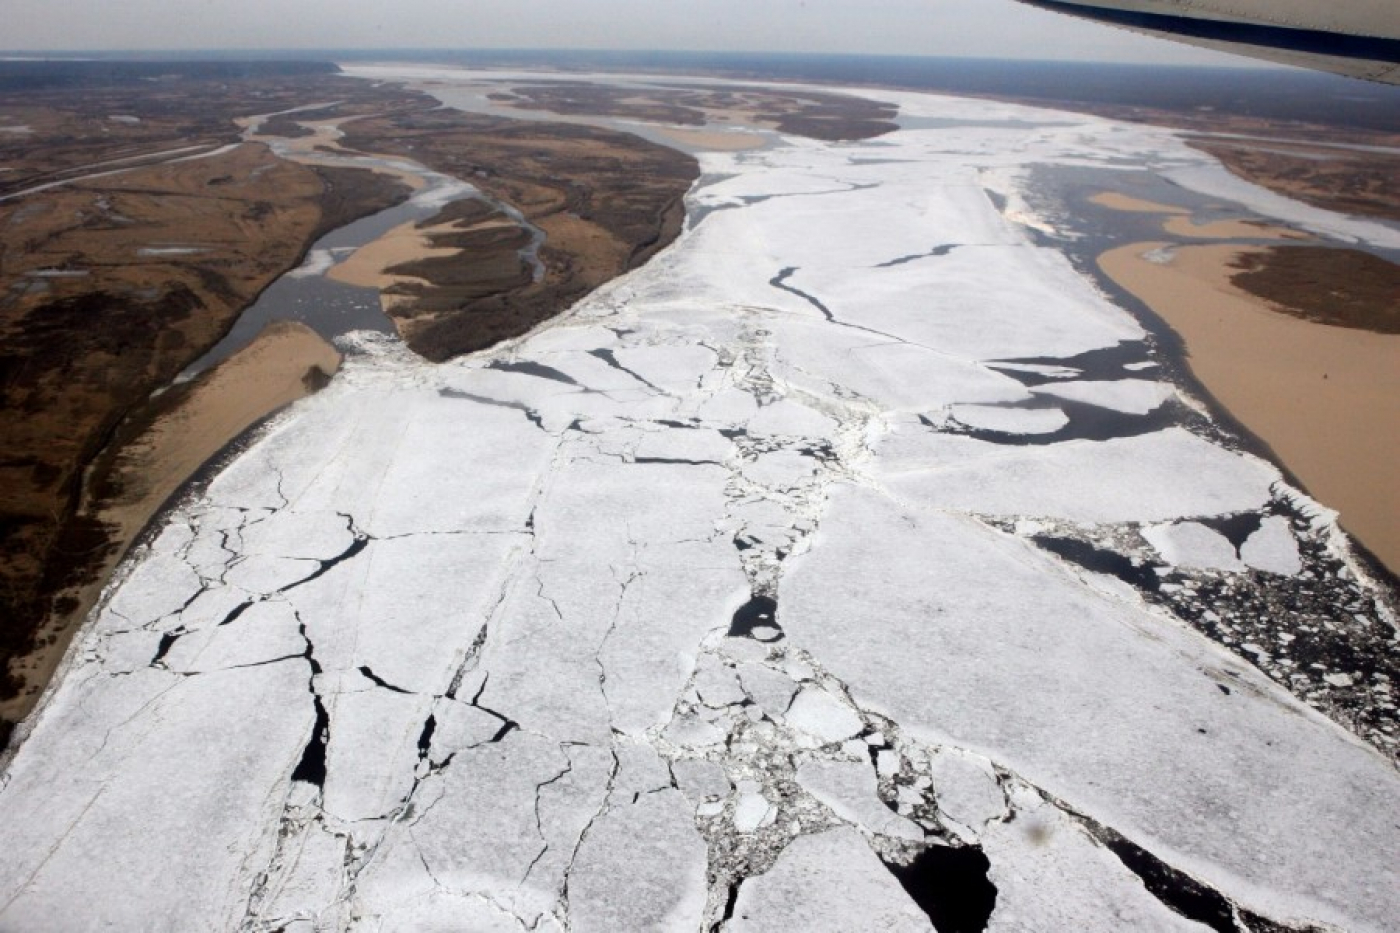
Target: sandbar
{"type": "Point", "coordinates": [1325, 399]}
{"type": "Point", "coordinates": [1122, 202]}
{"type": "Point", "coordinates": [1179, 222]}
{"type": "Point", "coordinates": [1230, 230]}
{"type": "Point", "coordinates": [717, 140]}
{"type": "Point", "coordinates": [368, 266]}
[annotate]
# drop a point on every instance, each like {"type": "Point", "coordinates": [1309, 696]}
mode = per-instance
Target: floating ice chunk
{"type": "Point", "coordinates": [1050, 875]}
{"type": "Point", "coordinates": [729, 407]}
{"type": "Point", "coordinates": [459, 725]}
{"type": "Point", "coordinates": [1273, 548]}
{"type": "Point", "coordinates": [686, 445]}
{"type": "Point", "coordinates": [818, 713]}
{"type": "Point", "coordinates": [1130, 396]}
{"type": "Point", "coordinates": [827, 883]}
{"type": "Point", "coordinates": [640, 770]}
{"type": "Point", "coordinates": [1193, 546]}
{"type": "Point", "coordinates": [849, 789]}
{"type": "Point", "coordinates": [700, 779]}
{"type": "Point", "coordinates": [435, 909]}
{"type": "Point", "coordinates": [543, 669]}
{"type": "Point", "coordinates": [265, 632]}
{"type": "Point", "coordinates": [1155, 477]}
{"type": "Point", "coordinates": [717, 684]}
{"type": "Point", "coordinates": [789, 417]}
{"type": "Point", "coordinates": [752, 812]}
{"type": "Point", "coordinates": [966, 789]}
{"type": "Point", "coordinates": [770, 691]}
{"type": "Point", "coordinates": [674, 368]}
{"type": "Point", "coordinates": [640, 867]}
{"type": "Point", "coordinates": [157, 586]}
{"type": "Point", "coordinates": [264, 576]}
{"type": "Point", "coordinates": [317, 263]}
{"type": "Point", "coordinates": [161, 733]}
{"type": "Point", "coordinates": [315, 536]}
{"type": "Point", "coordinates": [1010, 420]}
{"type": "Point", "coordinates": [693, 732]}
{"type": "Point", "coordinates": [500, 822]}
{"type": "Point", "coordinates": [780, 469]}
{"type": "Point", "coordinates": [373, 747]}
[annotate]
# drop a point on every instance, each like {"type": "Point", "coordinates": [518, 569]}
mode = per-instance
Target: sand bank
{"type": "Point", "coordinates": [368, 266]}
{"type": "Point", "coordinates": [286, 362]}
{"type": "Point", "coordinates": [1325, 399]}
{"type": "Point", "coordinates": [1230, 230]}
{"type": "Point", "coordinates": [1122, 202]}
{"type": "Point", "coordinates": [1180, 223]}
{"type": "Point", "coordinates": [717, 140]}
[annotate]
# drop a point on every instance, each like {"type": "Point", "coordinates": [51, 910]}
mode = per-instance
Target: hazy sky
{"type": "Point", "coordinates": [979, 28]}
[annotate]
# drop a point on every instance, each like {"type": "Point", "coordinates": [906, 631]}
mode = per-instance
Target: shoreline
{"type": "Point", "coordinates": [287, 362]}
{"type": "Point", "coordinates": [1324, 399]}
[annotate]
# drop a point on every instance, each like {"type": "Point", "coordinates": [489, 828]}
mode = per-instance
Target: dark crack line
{"type": "Point", "coordinates": [530, 413]}
{"type": "Point", "coordinates": [538, 370]}
{"type": "Point", "coordinates": [675, 461]}
{"type": "Point", "coordinates": [326, 566]}
{"type": "Point", "coordinates": [381, 682]}
{"type": "Point", "coordinates": [934, 253]}
{"type": "Point", "coordinates": [312, 767]}
{"type": "Point", "coordinates": [607, 356]}
{"type": "Point", "coordinates": [779, 282]}
{"type": "Point", "coordinates": [539, 819]}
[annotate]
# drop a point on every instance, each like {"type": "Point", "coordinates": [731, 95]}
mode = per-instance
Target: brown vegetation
{"type": "Point", "coordinates": [606, 201]}
{"type": "Point", "coordinates": [1340, 287]}
{"type": "Point", "coordinates": [1343, 180]}
{"type": "Point", "coordinates": [815, 114]}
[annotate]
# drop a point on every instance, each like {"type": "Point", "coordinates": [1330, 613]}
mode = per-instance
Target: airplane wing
{"type": "Point", "coordinates": [1357, 38]}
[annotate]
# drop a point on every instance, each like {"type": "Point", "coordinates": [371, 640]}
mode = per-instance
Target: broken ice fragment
{"type": "Point", "coordinates": [771, 691]}
{"type": "Point", "coordinates": [848, 788]}
{"type": "Point", "coordinates": [818, 713]}
{"type": "Point", "coordinates": [753, 812]}
{"type": "Point", "coordinates": [1193, 546]}
{"type": "Point", "coordinates": [1273, 548]}
{"type": "Point", "coordinates": [826, 883]}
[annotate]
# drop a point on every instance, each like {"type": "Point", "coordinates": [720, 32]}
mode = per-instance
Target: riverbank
{"type": "Point", "coordinates": [1324, 398]}
{"type": "Point", "coordinates": [166, 445]}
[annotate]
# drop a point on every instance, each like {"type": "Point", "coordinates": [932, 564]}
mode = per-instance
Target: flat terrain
{"type": "Point", "coordinates": [804, 112]}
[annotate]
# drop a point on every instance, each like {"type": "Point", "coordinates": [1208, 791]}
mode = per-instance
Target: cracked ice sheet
{"type": "Point", "coordinates": [157, 800]}
{"type": "Point", "coordinates": [961, 624]}
{"type": "Point", "coordinates": [583, 625]}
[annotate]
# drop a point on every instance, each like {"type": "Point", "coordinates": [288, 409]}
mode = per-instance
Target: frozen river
{"type": "Point", "coordinates": [765, 590]}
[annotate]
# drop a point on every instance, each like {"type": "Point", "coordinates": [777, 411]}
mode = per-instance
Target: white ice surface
{"type": "Point", "coordinates": [827, 883]}
{"type": "Point", "coordinates": [1133, 396]}
{"type": "Point", "coordinates": [1193, 546]}
{"type": "Point", "coordinates": [1273, 548]}
{"type": "Point", "coordinates": [509, 598]}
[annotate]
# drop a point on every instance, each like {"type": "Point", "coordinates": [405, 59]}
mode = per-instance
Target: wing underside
{"type": "Point", "coordinates": [1357, 38]}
